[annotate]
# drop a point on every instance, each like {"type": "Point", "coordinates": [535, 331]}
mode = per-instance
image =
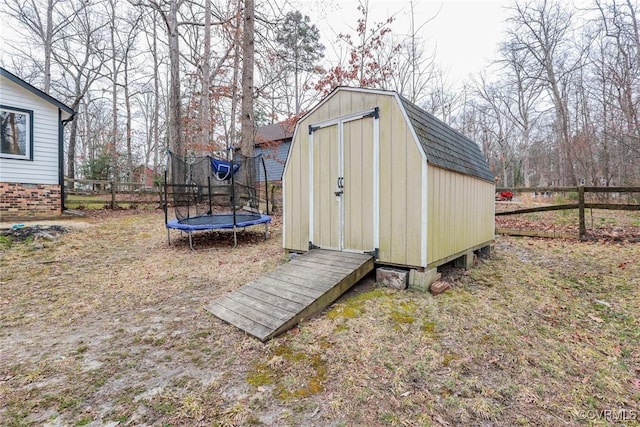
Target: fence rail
{"type": "Point", "coordinates": [114, 193]}
{"type": "Point", "coordinates": [582, 205]}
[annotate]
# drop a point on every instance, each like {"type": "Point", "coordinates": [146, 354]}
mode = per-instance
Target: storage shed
{"type": "Point", "coordinates": [370, 172]}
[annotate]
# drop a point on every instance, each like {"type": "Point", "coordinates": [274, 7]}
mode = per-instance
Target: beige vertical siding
{"type": "Point", "coordinates": [296, 194]}
{"type": "Point", "coordinates": [358, 185]}
{"type": "Point", "coordinates": [460, 213]}
{"type": "Point", "coordinates": [400, 189]}
{"type": "Point", "coordinates": [325, 166]}
{"type": "Point", "coordinates": [400, 180]}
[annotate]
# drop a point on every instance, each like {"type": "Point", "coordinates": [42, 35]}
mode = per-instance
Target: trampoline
{"type": "Point", "coordinates": [219, 222]}
{"type": "Point", "coordinates": [194, 192]}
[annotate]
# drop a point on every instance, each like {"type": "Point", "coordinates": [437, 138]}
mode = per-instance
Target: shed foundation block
{"type": "Point", "coordinates": [466, 261]}
{"type": "Point", "coordinates": [422, 280]}
{"type": "Point", "coordinates": [392, 277]}
{"type": "Point", "coordinates": [486, 251]}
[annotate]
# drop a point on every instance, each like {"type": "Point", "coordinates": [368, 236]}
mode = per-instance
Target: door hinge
{"type": "Point", "coordinates": [374, 253]}
{"type": "Point", "coordinates": [375, 113]}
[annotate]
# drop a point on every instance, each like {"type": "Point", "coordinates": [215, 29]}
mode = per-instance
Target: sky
{"type": "Point", "coordinates": [464, 33]}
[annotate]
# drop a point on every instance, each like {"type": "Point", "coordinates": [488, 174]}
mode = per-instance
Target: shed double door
{"type": "Point", "coordinates": [343, 212]}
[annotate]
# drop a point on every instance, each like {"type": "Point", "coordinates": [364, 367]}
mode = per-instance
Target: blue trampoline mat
{"type": "Point", "coordinates": [218, 221]}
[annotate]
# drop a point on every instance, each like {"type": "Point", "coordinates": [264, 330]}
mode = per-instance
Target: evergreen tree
{"type": "Point", "coordinates": [300, 47]}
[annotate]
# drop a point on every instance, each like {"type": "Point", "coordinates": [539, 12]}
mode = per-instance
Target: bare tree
{"type": "Point", "coordinates": [442, 99]}
{"type": "Point", "coordinates": [81, 58]}
{"type": "Point", "coordinates": [168, 10]}
{"type": "Point", "coordinates": [361, 65]}
{"type": "Point", "coordinates": [522, 93]}
{"type": "Point", "coordinates": [498, 125]}
{"type": "Point", "coordinates": [43, 25]}
{"type": "Point", "coordinates": [415, 68]}
{"type": "Point", "coordinates": [543, 29]}
{"type": "Point", "coordinates": [152, 146]}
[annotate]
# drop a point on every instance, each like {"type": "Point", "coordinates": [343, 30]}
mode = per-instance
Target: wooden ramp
{"type": "Point", "coordinates": [280, 299]}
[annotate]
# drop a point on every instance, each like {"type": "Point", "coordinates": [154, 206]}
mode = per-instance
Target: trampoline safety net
{"type": "Point", "coordinates": [196, 189]}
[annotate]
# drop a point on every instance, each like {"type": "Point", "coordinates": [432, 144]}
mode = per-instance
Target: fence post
{"type": "Point", "coordinates": [583, 227]}
{"type": "Point", "coordinates": [113, 195]}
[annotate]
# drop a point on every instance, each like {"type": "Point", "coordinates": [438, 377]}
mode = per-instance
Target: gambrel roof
{"type": "Point", "coordinates": [444, 146]}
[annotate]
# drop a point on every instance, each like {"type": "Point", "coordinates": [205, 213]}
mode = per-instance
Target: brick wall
{"type": "Point", "coordinates": [29, 200]}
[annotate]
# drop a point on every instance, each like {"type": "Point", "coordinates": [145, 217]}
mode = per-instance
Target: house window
{"type": "Point", "coordinates": [16, 133]}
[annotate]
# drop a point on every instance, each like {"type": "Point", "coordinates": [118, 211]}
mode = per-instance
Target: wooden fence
{"type": "Point", "coordinates": [581, 204]}
{"type": "Point", "coordinates": [112, 194]}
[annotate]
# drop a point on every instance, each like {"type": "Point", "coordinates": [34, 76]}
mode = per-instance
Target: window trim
{"type": "Point", "coordinates": [29, 145]}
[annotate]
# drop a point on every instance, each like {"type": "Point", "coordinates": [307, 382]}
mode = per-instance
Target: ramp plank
{"type": "Point", "coordinates": [294, 270]}
{"type": "Point", "coordinates": [270, 310]}
{"type": "Point", "coordinates": [250, 326]}
{"type": "Point", "coordinates": [288, 290]}
{"type": "Point", "coordinates": [313, 264]}
{"type": "Point", "coordinates": [287, 305]}
{"type": "Point", "coordinates": [277, 301]}
{"type": "Point", "coordinates": [308, 281]}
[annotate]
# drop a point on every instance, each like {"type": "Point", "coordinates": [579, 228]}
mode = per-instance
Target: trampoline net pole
{"type": "Point", "coordinates": [209, 190]}
{"type": "Point", "coordinates": [266, 185]}
{"type": "Point", "coordinates": [233, 195]}
{"type": "Point", "coordinates": [165, 205]}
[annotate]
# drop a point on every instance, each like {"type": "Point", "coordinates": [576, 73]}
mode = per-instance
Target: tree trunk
{"type": "Point", "coordinates": [156, 98]}
{"type": "Point", "coordinates": [114, 96]}
{"type": "Point", "coordinates": [234, 84]}
{"type": "Point", "coordinates": [296, 90]}
{"type": "Point", "coordinates": [127, 106]}
{"type": "Point", "coordinates": [47, 47]}
{"type": "Point", "coordinates": [71, 152]}
{"type": "Point", "coordinates": [247, 119]}
{"type": "Point", "coordinates": [175, 104]}
{"type": "Point", "coordinates": [205, 107]}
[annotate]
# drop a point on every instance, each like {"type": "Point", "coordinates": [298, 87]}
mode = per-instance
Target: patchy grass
{"type": "Point", "coordinates": [103, 201]}
{"type": "Point", "coordinates": [88, 202]}
{"type": "Point", "coordinates": [106, 324]}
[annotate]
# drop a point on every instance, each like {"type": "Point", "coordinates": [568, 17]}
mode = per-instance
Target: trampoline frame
{"type": "Point", "coordinates": [233, 217]}
{"type": "Point", "coordinates": [190, 228]}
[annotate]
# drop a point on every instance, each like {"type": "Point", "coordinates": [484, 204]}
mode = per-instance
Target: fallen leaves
{"type": "Point", "coordinates": [605, 227]}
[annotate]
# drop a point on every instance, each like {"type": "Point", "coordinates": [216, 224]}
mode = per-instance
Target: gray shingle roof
{"type": "Point", "coordinates": [274, 132]}
{"type": "Point", "coordinates": [446, 147]}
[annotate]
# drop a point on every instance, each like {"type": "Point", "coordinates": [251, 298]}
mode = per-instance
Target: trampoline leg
{"type": "Point", "coordinates": [190, 241]}
{"type": "Point", "coordinates": [168, 237]}
{"type": "Point", "coordinates": [235, 237]}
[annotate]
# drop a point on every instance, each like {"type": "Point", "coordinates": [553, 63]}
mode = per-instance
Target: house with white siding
{"type": "Point", "coordinates": [31, 150]}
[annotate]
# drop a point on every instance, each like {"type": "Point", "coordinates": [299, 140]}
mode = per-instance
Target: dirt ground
{"type": "Point", "coordinates": [104, 325]}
